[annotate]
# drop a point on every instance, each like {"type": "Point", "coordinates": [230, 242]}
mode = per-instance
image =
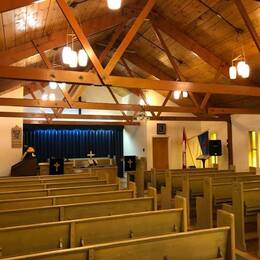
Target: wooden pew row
{"type": "Point", "coordinates": [65, 199]}
{"type": "Point", "coordinates": [216, 243]}
{"type": "Point", "coordinates": [214, 195]}
{"type": "Point", "coordinates": [57, 191]}
{"type": "Point", "coordinates": [47, 180]}
{"type": "Point", "coordinates": [57, 184]}
{"type": "Point", "coordinates": [245, 207]}
{"type": "Point", "coordinates": [75, 233]}
{"type": "Point", "coordinates": [77, 211]}
{"type": "Point", "coordinates": [108, 173]}
{"type": "Point", "coordinates": [192, 186]}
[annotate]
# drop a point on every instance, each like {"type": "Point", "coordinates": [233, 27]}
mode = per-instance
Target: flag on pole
{"type": "Point", "coordinates": [184, 146]}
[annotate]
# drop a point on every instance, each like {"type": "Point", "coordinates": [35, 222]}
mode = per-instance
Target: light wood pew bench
{"type": "Point", "coordinates": [54, 184]}
{"type": "Point", "coordinates": [210, 244]}
{"type": "Point", "coordinates": [65, 199]}
{"type": "Point", "coordinates": [57, 191]}
{"type": "Point", "coordinates": [214, 196]}
{"type": "Point", "coordinates": [77, 211]}
{"type": "Point", "coordinates": [75, 233]}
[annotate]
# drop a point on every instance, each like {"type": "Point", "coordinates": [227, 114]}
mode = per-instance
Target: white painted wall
{"type": "Point", "coordinates": [9, 155]}
{"type": "Point", "coordinates": [241, 125]}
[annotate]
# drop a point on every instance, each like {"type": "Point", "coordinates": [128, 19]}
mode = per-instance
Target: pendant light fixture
{"type": "Point", "coordinates": [241, 69]}
{"type": "Point", "coordinates": [52, 97]}
{"type": "Point", "coordinates": [185, 94]}
{"type": "Point", "coordinates": [114, 4]}
{"type": "Point", "coordinates": [66, 53]}
{"type": "Point", "coordinates": [53, 85]}
{"type": "Point", "coordinates": [73, 59]}
{"type": "Point", "coordinates": [177, 94]}
{"type": "Point", "coordinates": [82, 58]}
{"type": "Point", "coordinates": [44, 97]}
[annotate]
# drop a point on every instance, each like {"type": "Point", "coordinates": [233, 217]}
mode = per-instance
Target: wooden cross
{"type": "Point", "coordinates": [56, 165]}
{"type": "Point", "coordinates": [130, 163]}
{"type": "Point", "coordinates": [91, 155]}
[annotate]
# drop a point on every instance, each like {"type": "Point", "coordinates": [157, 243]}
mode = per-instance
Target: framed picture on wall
{"type": "Point", "coordinates": [161, 129]}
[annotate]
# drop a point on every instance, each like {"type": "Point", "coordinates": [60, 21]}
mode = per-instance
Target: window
{"type": "Point", "coordinates": [213, 159]}
{"type": "Point", "coordinates": [253, 151]}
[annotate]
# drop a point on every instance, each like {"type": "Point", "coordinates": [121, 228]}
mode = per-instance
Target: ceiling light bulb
{"type": "Point", "coordinates": [52, 97]}
{"type": "Point", "coordinates": [232, 72]}
{"type": "Point", "coordinates": [114, 4]}
{"type": "Point", "coordinates": [73, 59]}
{"type": "Point", "coordinates": [141, 102]}
{"type": "Point", "coordinates": [82, 58]}
{"type": "Point", "coordinates": [185, 94]}
{"type": "Point", "coordinates": [246, 71]}
{"type": "Point", "coordinates": [44, 97]}
{"type": "Point", "coordinates": [240, 67]}
{"type": "Point", "coordinates": [66, 55]}
{"type": "Point", "coordinates": [176, 94]}
{"type": "Point", "coordinates": [62, 85]}
{"type": "Point", "coordinates": [53, 84]}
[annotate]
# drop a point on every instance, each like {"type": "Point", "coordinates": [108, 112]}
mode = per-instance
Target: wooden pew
{"type": "Point", "coordinates": [216, 243]}
{"type": "Point", "coordinates": [245, 206]}
{"type": "Point", "coordinates": [214, 195]}
{"type": "Point", "coordinates": [57, 184]}
{"type": "Point", "coordinates": [57, 191]}
{"type": "Point", "coordinates": [77, 211]}
{"type": "Point", "coordinates": [192, 186]}
{"type": "Point", "coordinates": [65, 199]}
{"type": "Point", "coordinates": [75, 233]}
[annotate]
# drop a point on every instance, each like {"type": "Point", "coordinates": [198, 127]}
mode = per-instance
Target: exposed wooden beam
{"type": "Point", "coordinates": [165, 102]}
{"type": "Point", "coordinates": [13, 4]}
{"type": "Point", "coordinates": [231, 110]}
{"type": "Point", "coordinates": [90, 105]}
{"type": "Point", "coordinates": [104, 117]}
{"type": "Point", "coordinates": [129, 36]}
{"type": "Point", "coordinates": [7, 86]}
{"type": "Point", "coordinates": [82, 38]}
{"type": "Point", "coordinates": [46, 75]}
{"type": "Point", "coordinates": [212, 88]}
{"type": "Point", "coordinates": [242, 10]}
{"type": "Point", "coordinates": [88, 78]}
{"type": "Point", "coordinates": [205, 101]}
{"type": "Point", "coordinates": [41, 122]}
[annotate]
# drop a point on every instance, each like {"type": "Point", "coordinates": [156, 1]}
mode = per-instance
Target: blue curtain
{"type": "Point", "coordinates": [74, 141]}
{"type": "Point", "coordinates": [204, 142]}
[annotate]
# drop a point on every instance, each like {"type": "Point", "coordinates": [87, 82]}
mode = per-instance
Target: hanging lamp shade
{"type": "Point", "coordinates": [62, 85]}
{"type": "Point", "coordinates": [176, 94]}
{"type": "Point", "coordinates": [53, 84]}
{"type": "Point", "coordinates": [44, 96]}
{"type": "Point", "coordinates": [73, 59]}
{"type": "Point", "coordinates": [246, 71]}
{"type": "Point", "coordinates": [185, 94]}
{"type": "Point", "coordinates": [82, 58]}
{"type": "Point", "coordinates": [114, 4]}
{"type": "Point", "coordinates": [240, 67]}
{"type": "Point", "coordinates": [52, 97]}
{"type": "Point", "coordinates": [66, 55]}
{"type": "Point", "coordinates": [232, 72]}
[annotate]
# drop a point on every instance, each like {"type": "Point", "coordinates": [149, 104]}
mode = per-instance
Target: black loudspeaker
{"type": "Point", "coordinates": [215, 148]}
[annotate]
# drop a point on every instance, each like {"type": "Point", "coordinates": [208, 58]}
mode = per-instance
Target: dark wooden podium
{"type": "Point", "coordinates": [27, 167]}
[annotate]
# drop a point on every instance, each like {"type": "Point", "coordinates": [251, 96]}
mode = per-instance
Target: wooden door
{"type": "Point", "coordinates": [160, 153]}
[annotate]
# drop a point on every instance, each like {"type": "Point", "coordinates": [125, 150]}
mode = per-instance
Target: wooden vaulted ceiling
{"type": "Point", "coordinates": [200, 42]}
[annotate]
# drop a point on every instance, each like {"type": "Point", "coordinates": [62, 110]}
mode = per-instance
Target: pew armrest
{"type": "Point", "coordinates": [152, 192]}
{"type": "Point", "coordinates": [180, 202]}
{"type": "Point", "coordinates": [227, 207]}
{"type": "Point", "coordinates": [132, 187]}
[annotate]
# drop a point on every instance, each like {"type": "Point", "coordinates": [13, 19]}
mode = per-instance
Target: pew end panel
{"type": "Point", "coordinates": [181, 203]}
{"type": "Point", "coordinates": [226, 219]}
{"type": "Point", "coordinates": [152, 192]}
{"type": "Point", "coordinates": [132, 186]}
